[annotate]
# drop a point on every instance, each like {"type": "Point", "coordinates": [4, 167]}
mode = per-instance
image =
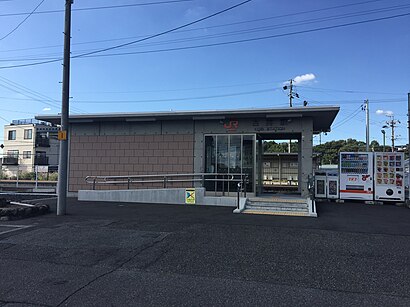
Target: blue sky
{"type": "Point", "coordinates": [339, 66]}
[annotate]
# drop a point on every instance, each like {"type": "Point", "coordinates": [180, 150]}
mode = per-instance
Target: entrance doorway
{"type": "Point", "coordinates": [278, 164]}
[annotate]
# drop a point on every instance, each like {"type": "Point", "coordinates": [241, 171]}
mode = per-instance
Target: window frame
{"type": "Point", "coordinates": [12, 134]}
{"type": "Point", "coordinates": [27, 154]}
{"type": "Point", "coordinates": [28, 134]}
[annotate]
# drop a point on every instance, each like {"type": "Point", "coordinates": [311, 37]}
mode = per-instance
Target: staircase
{"type": "Point", "coordinates": [279, 206]}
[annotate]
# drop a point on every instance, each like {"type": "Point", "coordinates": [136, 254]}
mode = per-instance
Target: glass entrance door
{"type": "Point", "coordinates": [230, 154]}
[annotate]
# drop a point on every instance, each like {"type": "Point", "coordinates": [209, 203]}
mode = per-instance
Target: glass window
{"type": "Point", "coordinates": [222, 154]}
{"type": "Point", "coordinates": [235, 155]}
{"type": "Point", "coordinates": [248, 160]}
{"type": "Point", "coordinates": [229, 154]}
{"type": "Point", "coordinates": [210, 154]}
{"type": "Point", "coordinates": [13, 153]}
{"type": "Point", "coordinates": [26, 154]}
{"type": "Point", "coordinates": [12, 134]}
{"type": "Point", "coordinates": [40, 154]}
{"type": "Point", "coordinates": [28, 134]}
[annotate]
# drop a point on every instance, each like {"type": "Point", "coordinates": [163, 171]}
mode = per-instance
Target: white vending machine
{"type": "Point", "coordinates": [356, 175]}
{"type": "Point", "coordinates": [389, 174]}
{"type": "Point", "coordinates": [320, 184]}
{"type": "Point", "coordinates": [332, 185]}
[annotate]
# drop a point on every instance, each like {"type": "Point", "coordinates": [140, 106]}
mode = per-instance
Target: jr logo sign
{"type": "Point", "coordinates": [231, 126]}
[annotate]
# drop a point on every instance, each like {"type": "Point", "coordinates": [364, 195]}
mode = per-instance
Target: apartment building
{"type": "Point", "coordinates": [28, 143]}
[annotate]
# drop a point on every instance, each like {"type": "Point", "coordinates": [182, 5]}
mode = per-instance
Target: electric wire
{"type": "Point", "coordinates": [24, 20]}
{"type": "Point", "coordinates": [136, 41]}
{"type": "Point", "coordinates": [225, 34]}
{"type": "Point", "coordinates": [196, 29]}
{"type": "Point", "coordinates": [175, 99]}
{"type": "Point", "coordinates": [97, 8]}
{"type": "Point", "coordinates": [89, 55]}
{"type": "Point", "coordinates": [29, 93]}
{"type": "Point", "coordinates": [348, 118]}
{"type": "Point", "coordinates": [242, 40]}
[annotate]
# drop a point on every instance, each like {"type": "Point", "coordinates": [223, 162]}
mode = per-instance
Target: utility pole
{"type": "Point", "coordinates": [63, 135]}
{"type": "Point", "coordinates": [408, 132]}
{"type": "Point", "coordinates": [290, 87]}
{"type": "Point", "coordinates": [291, 93]}
{"type": "Point", "coordinates": [408, 124]}
{"type": "Point", "coordinates": [366, 106]}
{"type": "Point", "coordinates": [392, 123]}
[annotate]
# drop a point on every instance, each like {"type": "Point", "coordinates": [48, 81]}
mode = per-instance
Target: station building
{"type": "Point", "coordinates": [219, 141]}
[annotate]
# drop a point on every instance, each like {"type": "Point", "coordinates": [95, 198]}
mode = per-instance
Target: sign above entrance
{"type": "Point", "coordinates": [231, 125]}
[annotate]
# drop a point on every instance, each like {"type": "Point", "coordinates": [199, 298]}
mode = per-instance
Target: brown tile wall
{"type": "Point", "coordinates": [128, 155]}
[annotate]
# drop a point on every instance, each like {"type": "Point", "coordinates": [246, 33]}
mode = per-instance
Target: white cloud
{"type": "Point", "coordinates": [47, 109]}
{"type": "Point", "coordinates": [384, 112]}
{"type": "Point", "coordinates": [304, 78]}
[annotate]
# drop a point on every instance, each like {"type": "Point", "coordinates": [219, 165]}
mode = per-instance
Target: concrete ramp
{"type": "Point", "coordinates": [173, 196]}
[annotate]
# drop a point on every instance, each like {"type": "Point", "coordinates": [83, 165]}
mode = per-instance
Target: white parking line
{"type": "Point", "coordinates": [14, 228]}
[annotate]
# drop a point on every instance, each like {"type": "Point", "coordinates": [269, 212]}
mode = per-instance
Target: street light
{"type": "Point", "coordinates": [384, 138]}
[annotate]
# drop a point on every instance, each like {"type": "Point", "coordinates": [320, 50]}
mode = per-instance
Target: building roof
{"type": "Point", "coordinates": [323, 117]}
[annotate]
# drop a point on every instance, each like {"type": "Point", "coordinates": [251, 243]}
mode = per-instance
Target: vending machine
{"type": "Point", "coordinates": [389, 174]}
{"type": "Point", "coordinates": [320, 184]}
{"type": "Point", "coordinates": [332, 185]}
{"type": "Point", "coordinates": [356, 175]}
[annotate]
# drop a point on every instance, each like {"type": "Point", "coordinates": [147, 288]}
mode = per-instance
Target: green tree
{"type": "Point", "coordinates": [272, 146]}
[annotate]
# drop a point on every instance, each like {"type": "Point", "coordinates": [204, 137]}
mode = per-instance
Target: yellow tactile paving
{"type": "Point", "coordinates": [286, 213]}
{"type": "Point", "coordinates": [279, 200]}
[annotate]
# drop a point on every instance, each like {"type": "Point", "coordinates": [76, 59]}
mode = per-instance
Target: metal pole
{"type": "Point", "coordinates": [63, 163]}
{"type": "Point", "coordinates": [36, 167]}
{"type": "Point", "coordinates": [392, 134]}
{"type": "Point", "coordinates": [291, 93]}
{"type": "Point", "coordinates": [18, 169]}
{"type": "Point", "coordinates": [408, 132]}
{"type": "Point", "coordinates": [367, 125]}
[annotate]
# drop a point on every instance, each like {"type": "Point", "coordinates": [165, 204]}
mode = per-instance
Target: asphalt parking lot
{"type": "Point", "coordinates": [144, 255]}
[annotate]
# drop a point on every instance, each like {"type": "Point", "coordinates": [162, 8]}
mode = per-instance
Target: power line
{"type": "Point", "coordinates": [246, 40]}
{"type": "Point", "coordinates": [230, 33]}
{"type": "Point", "coordinates": [97, 8]}
{"type": "Point", "coordinates": [349, 91]}
{"type": "Point", "coordinates": [136, 41]}
{"type": "Point", "coordinates": [27, 17]}
{"type": "Point", "coordinates": [176, 99]}
{"type": "Point", "coordinates": [348, 118]}
{"type": "Point", "coordinates": [27, 92]}
{"type": "Point", "coordinates": [164, 32]}
{"type": "Point", "coordinates": [201, 28]}
{"type": "Point", "coordinates": [92, 54]}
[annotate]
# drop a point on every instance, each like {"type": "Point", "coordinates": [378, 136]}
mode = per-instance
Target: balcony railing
{"type": "Point", "coordinates": [10, 161]}
{"type": "Point", "coordinates": [40, 160]}
{"type": "Point", "coordinates": [42, 142]}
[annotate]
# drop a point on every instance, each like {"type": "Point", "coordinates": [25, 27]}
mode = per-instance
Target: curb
{"type": "Point", "coordinates": [7, 214]}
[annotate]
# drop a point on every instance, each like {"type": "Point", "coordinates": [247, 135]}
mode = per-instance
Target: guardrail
{"type": "Point", "coordinates": [166, 179]}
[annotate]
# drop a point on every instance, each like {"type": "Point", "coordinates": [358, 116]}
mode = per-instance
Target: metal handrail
{"type": "Point", "coordinates": [166, 178]}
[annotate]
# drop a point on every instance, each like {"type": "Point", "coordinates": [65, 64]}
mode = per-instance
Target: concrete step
{"type": "Point", "coordinates": [260, 206]}
{"type": "Point", "coordinates": [273, 212]}
{"type": "Point", "coordinates": [277, 204]}
{"type": "Point", "coordinates": [278, 200]}
{"type": "Point", "coordinates": [290, 209]}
